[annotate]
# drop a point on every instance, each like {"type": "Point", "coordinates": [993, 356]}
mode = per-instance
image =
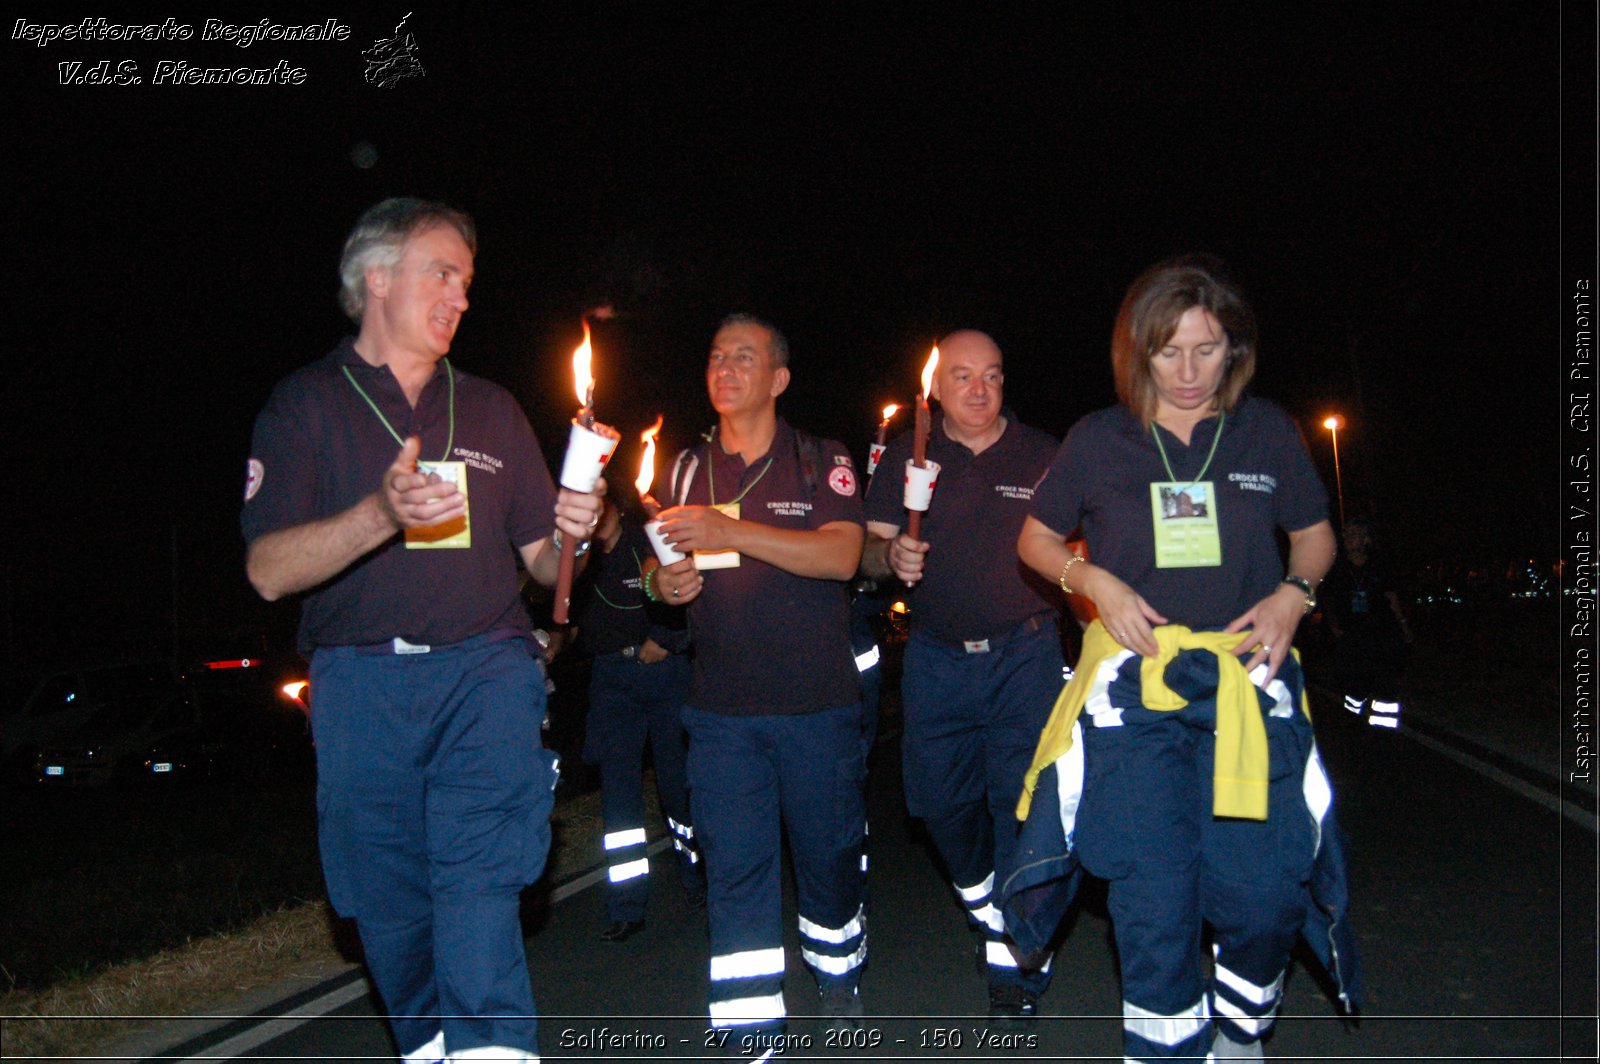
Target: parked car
{"type": "Point", "coordinates": [64, 702]}
{"type": "Point", "coordinates": [110, 745]}
{"type": "Point", "coordinates": [231, 722]}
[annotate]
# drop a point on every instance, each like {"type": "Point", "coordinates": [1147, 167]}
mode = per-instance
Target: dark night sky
{"type": "Point", "coordinates": [1384, 179]}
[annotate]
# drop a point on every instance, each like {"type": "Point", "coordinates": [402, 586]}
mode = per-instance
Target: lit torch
{"type": "Point", "coordinates": [647, 468]}
{"type": "Point", "coordinates": [875, 452]}
{"type": "Point", "coordinates": [589, 446]}
{"type": "Point", "coordinates": [919, 452]}
{"type": "Point", "coordinates": [919, 486]}
{"type": "Point", "coordinates": [647, 475]}
{"type": "Point", "coordinates": [583, 378]}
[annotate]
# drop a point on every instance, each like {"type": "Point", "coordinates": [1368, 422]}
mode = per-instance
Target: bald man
{"type": "Point", "coordinates": [983, 665]}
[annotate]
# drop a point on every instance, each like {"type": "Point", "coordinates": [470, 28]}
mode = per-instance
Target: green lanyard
{"type": "Point", "coordinates": [602, 595]}
{"type": "Point", "coordinates": [449, 374]}
{"type": "Point", "coordinates": [1173, 477]}
{"type": "Point", "coordinates": [711, 476]}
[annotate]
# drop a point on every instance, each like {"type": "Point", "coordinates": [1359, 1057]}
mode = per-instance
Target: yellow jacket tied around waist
{"type": "Point", "coordinates": [1240, 770]}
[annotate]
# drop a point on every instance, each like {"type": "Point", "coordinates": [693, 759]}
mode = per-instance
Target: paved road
{"type": "Point", "coordinates": [1474, 896]}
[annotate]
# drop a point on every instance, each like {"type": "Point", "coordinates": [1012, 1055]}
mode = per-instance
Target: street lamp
{"type": "Point", "coordinates": [1333, 424]}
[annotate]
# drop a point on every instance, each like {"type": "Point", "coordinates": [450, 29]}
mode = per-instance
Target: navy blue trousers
{"type": "Point", "coordinates": [750, 778]}
{"type": "Point", "coordinates": [972, 722]}
{"type": "Point", "coordinates": [1145, 824]}
{"type": "Point", "coordinates": [631, 703]}
{"type": "Point", "coordinates": [433, 804]}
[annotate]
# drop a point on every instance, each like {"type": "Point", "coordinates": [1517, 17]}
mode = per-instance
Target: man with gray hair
{"type": "Point", "coordinates": [433, 789]}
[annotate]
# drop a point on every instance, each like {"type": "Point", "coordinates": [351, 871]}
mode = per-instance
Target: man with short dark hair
{"type": "Point", "coordinates": [983, 665]}
{"type": "Point", "coordinates": [433, 789]}
{"type": "Point", "coordinates": [774, 719]}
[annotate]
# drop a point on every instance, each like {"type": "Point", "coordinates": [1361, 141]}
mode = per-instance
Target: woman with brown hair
{"type": "Point", "coordinates": [1202, 797]}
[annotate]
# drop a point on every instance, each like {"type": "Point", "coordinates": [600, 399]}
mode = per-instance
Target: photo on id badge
{"type": "Point", "coordinates": [451, 534]}
{"type": "Point", "coordinates": [1185, 519]}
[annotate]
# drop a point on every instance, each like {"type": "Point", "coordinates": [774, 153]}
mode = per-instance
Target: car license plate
{"type": "Point", "coordinates": [161, 766]}
{"type": "Point", "coordinates": [55, 770]}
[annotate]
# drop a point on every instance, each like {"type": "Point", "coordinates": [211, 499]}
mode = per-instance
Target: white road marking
{"type": "Point", "coordinates": [242, 1043]}
{"type": "Point", "coordinates": [1580, 816]}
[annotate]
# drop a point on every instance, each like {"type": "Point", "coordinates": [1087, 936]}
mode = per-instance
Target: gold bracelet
{"type": "Point", "coordinates": [1074, 560]}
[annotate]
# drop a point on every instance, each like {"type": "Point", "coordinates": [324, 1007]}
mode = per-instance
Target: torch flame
{"type": "Point", "coordinates": [888, 411]}
{"type": "Point", "coordinates": [927, 371]}
{"type": "Point", "coordinates": [647, 461]}
{"type": "Point", "coordinates": [580, 369]}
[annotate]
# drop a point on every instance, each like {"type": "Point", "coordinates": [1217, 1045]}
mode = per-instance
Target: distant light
{"type": "Point", "coordinates": [294, 688]}
{"type": "Point", "coordinates": [235, 663]}
{"type": "Point", "coordinates": [900, 607]}
{"type": "Point", "coordinates": [1334, 422]}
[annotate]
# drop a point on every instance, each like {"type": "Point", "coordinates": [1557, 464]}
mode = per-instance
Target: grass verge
{"type": "Point", "coordinates": [228, 974]}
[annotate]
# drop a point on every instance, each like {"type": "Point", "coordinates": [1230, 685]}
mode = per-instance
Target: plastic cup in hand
{"type": "Point", "coordinates": [665, 552]}
{"type": "Point", "coordinates": [588, 450]}
{"type": "Point", "coordinates": [920, 484]}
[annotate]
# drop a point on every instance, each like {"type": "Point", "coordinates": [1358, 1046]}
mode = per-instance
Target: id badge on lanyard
{"type": "Point", "coordinates": [719, 559]}
{"type": "Point", "coordinates": [1185, 519]}
{"type": "Point", "coordinates": [1184, 513]}
{"type": "Point", "coordinates": [456, 534]}
{"type": "Point", "coordinates": [452, 535]}
{"type": "Point", "coordinates": [724, 559]}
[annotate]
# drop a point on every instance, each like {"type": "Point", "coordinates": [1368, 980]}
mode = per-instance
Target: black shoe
{"type": "Point", "coordinates": [621, 930]}
{"type": "Point", "coordinates": [1012, 1004]}
{"type": "Point", "coordinates": [841, 1007]}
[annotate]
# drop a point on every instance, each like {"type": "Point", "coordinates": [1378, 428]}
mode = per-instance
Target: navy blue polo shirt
{"type": "Point", "coordinates": [319, 449]}
{"type": "Point", "coordinates": [973, 585]}
{"type": "Point", "coordinates": [768, 642]}
{"type": "Point", "coordinates": [1264, 481]}
{"type": "Point", "coordinates": [615, 613]}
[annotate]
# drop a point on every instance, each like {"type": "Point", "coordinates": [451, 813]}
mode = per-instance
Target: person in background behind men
{"type": "Point", "coordinates": [638, 682]}
{"type": "Point", "coordinates": [1362, 602]}
{"type": "Point", "coordinates": [983, 664]}
{"type": "Point", "coordinates": [433, 789]}
{"type": "Point", "coordinates": [774, 719]}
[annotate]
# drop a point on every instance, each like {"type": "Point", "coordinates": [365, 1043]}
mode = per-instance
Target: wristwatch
{"type": "Point", "coordinates": [1305, 589]}
{"type": "Point", "coordinates": [583, 547]}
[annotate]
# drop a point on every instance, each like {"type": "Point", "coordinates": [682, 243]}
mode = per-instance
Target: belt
{"type": "Point", "coordinates": [400, 646]}
{"type": "Point", "coordinates": [627, 652]}
{"type": "Point", "coordinates": [994, 642]}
